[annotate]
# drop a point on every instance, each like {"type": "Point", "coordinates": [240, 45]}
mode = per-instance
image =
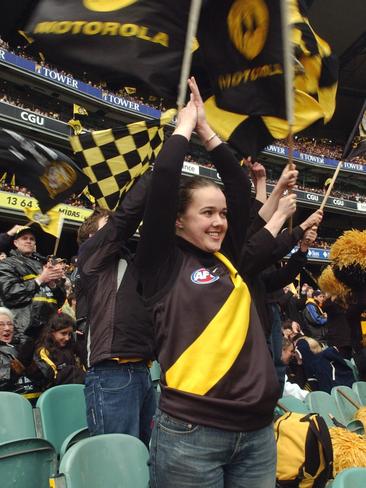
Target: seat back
{"type": "Point", "coordinates": [104, 459]}
{"type": "Point", "coordinates": [292, 404]}
{"type": "Point", "coordinates": [323, 404]}
{"type": "Point", "coordinates": [350, 478]}
{"type": "Point", "coordinates": [62, 411]}
{"type": "Point", "coordinates": [16, 417]}
{"type": "Point", "coordinates": [359, 387]}
{"type": "Point", "coordinates": [72, 439]}
{"type": "Point", "coordinates": [345, 406]}
{"type": "Point", "coordinates": [28, 463]}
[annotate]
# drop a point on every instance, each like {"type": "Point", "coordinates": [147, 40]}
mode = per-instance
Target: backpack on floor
{"type": "Point", "coordinates": [304, 451]}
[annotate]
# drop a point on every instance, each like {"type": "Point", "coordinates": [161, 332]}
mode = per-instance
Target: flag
{"type": "Point", "coordinates": [129, 90]}
{"type": "Point", "coordinates": [88, 195]}
{"type": "Point", "coordinates": [50, 175]}
{"type": "Point", "coordinates": [241, 48]}
{"type": "Point", "coordinates": [76, 126]}
{"type": "Point", "coordinates": [112, 159]}
{"type": "Point", "coordinates": [356, 144]}
{"type": "Point", "coordinates": [327, 182]}
{"type": "Point", "coordinates": [79, 110]}
{"type": "Point", "coordinates": [129, 43]}
{"type": "Point", "coordinates": [50, 222]}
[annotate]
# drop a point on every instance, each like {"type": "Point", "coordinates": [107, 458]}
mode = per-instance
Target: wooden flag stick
{"type": "Point", "coordinates": [331, 184]}
{"type": "Point", "coordinates": [57, 242]}
{"type": "Point", "coordinates": [194, 14]}
{"type": "Point", "coordinates": [344, 395]}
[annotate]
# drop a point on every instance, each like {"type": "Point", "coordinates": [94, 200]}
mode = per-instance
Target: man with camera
{"type": "Point", "coordinates": [30, 286]}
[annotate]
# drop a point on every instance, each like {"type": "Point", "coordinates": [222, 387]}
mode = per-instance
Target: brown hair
{"type": "Point", "coordinates": [186, 188]}
{"type": "Point", "coordinates": [90, 225]}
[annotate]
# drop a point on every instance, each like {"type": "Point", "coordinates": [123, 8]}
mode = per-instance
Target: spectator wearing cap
{"type": "Point", "coordinates": [30, 288]}
{"type": "Point", "coordinates": [315, 317]}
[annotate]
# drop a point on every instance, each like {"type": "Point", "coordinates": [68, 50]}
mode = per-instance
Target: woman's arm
{"type": "Point", "coordinates": [158, 229]}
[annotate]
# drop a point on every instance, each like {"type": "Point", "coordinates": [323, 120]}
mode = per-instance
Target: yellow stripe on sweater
{"type": "Point", "coordinates": [43, 354]}
{"type": "Point", "coordinates": [202, 365]}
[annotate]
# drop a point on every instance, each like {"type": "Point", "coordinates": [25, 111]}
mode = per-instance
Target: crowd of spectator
{"type": "Point", "coordinates": [320, 147]}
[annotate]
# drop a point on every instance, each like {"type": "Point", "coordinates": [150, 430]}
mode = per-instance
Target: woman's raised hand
{"type": "Point", "coordinates": [187, 119]}
{"type": "Point", "coordinates": [201, 116]}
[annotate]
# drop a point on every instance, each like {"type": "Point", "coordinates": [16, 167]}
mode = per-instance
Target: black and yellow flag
{"type": "Point", "coordinates": [112, 159]}
{"type": "Point", "coordinates": [356, 144]}
{"type": "Point", "coordinates": [50, 222]}
{"type": "Point", "coordinates": [76, 126]}
{"type": "Point", "coordinates": [127, 42]}
{"type": "Point", "coordinates": [241, 48]}
{"type": "Point", "coordinates": [79, 110]}
{"type": "Point", "coordinates": [49, 174]}
{"type": "Point", "coordinates": [130, 90]}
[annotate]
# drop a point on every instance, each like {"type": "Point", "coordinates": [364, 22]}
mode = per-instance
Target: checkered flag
{"type": "Point", "coordinates": [112, 159]}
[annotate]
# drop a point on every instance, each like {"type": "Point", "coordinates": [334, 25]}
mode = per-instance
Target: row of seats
{"type": "Point", "coordinates": [341, 404]}
{"type": "Point", "coordinates": [117, 460]}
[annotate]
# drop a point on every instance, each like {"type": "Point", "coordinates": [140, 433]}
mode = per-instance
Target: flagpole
{"type": "Point", "coordinates": [288, 66]}
{"type": "Point", "coordinates": [331, 184]}
{"type": "Point", "coordinates": [346, 152]}
{"type": "Point", "coordinates": [57, 242]}
{"type": "Point", "coordinates": [194, 14]}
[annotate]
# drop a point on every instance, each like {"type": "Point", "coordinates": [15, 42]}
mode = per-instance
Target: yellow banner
{"type": "Point", "coordinates": [14, 201]}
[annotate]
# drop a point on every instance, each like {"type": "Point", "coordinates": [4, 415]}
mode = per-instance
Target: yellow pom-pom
{"type": "Point", "coordinates": [329, 284]}
{"type": "Point", "coordinates": [349, 450]}
{"type": "Point", "coordinates": [349, 249]}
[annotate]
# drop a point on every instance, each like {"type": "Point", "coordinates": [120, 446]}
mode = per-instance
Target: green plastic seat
{"type": "Point", "coordinates": [62, 411]}
{"type": "Point", "coordinates": [322, 403]}
{"type": "Point", "coordinates": [350, 478]}
{"type": "Point", "coordinates": [72, 439]}
{"type": "Point", "coordinates": [16, 417]}
{"type": "Point", "coordinates": [353, 366]}
{"type": "Point", "coordinates": [293, 404]}
{"type": "Point", "coordinates": [359, 387]}
{"type": "Point", "coordinates": [346, 408]}
{"type": "Point", "coordinates": [27, 463]}
{"type": "Point", "coordinates": [155, 372]}
{"type": "Point", "coordinates": [106, 460]}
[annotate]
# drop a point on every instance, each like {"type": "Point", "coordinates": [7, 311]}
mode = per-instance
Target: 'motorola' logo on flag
{"type": "Point", "coordinates": [203, 276]}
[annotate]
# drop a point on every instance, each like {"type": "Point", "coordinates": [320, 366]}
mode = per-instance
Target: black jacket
{"type": "Point", "coordinates": [31, 304]}
{"type": "Point", "coordinates": [118, 322]}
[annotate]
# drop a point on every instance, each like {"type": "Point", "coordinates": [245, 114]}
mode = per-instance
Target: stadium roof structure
{"type": "Point", "coordinates": [343, 25]}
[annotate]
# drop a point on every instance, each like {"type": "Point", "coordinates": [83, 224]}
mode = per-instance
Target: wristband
{"type": "Point", "coordinates": [210, 138]}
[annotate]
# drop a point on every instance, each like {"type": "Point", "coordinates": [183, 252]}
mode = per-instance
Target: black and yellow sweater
{"type": "Point", "coordinates": [216, 367]}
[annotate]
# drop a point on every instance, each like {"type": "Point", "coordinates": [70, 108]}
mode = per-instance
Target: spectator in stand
{"type": "Point", "coordinates": [56, 356]}
{"type": "Point", "coordinates": [29, 286]}
{"type": "Point", "coordinates": [338, 329]}
{"type": "Point", "coordinates": [316, 318]}
{"type": "Point", "coordinates": [288, 354]}
{"type": "Point", "coordinates": [10, 366]}
{"type": "Point", "coordinates": [6, 239]}
{"type": "Point", "coordinates": [324, 368]}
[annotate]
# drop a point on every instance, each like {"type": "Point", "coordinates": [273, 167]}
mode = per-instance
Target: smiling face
{"type": "Point", "coordinates": [26, 244]}
{"type": "Point", "coordinates": [62, 337]}
{"type": "Point", "coordinates": [6, 328]}
{"type": "Point", "coordinates": [204, 222]}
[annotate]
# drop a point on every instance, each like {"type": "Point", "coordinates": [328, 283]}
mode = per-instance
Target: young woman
{"type": "Point", "coordinates": [55, 354]}
{"type": "Point", "coordinates": [218, 382]}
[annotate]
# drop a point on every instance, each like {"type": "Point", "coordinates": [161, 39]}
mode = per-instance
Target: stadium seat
{"type": "Point", "coordinates": [61, 411]}
{"type": "Point", "coordinates": [155, 372]}
{"type": "Point", "coordinates": [353, 366]}
{"type": "Point", "coordinates": [350, 478]}
{"type": "Point", "coordinates": [292, 404]}
{"type": "Point", "coordinates": [359, 387]}
{"type": "Point", "coordinates": [117, 460]}
{"type": "Point", "coordinates": [72, 439]}
{"type": "Point", "coordinates": [16, 417]}
{"type": "Point", "coordinates": [27, 463]}
{"type": "Point", "coordinates": [325, 405]}
{"type": "Point", "coordinates": [345, 406]}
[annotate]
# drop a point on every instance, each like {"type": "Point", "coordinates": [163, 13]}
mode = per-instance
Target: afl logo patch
{"type": "Point", "coordinates": [203, 277]}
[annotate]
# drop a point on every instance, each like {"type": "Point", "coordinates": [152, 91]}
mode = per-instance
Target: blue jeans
{"type": "Point", "coordinates": [120, 398]}
{"type": "Point", "coordinates": [184, 455]}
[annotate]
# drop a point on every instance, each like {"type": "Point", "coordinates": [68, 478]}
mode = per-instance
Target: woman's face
{"type": "Point", "coordinates": [204, 223]}
{"type": "Point", "coordinates": [62, 337]}
{"type": "Point", "coordinates": [6, 328]}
